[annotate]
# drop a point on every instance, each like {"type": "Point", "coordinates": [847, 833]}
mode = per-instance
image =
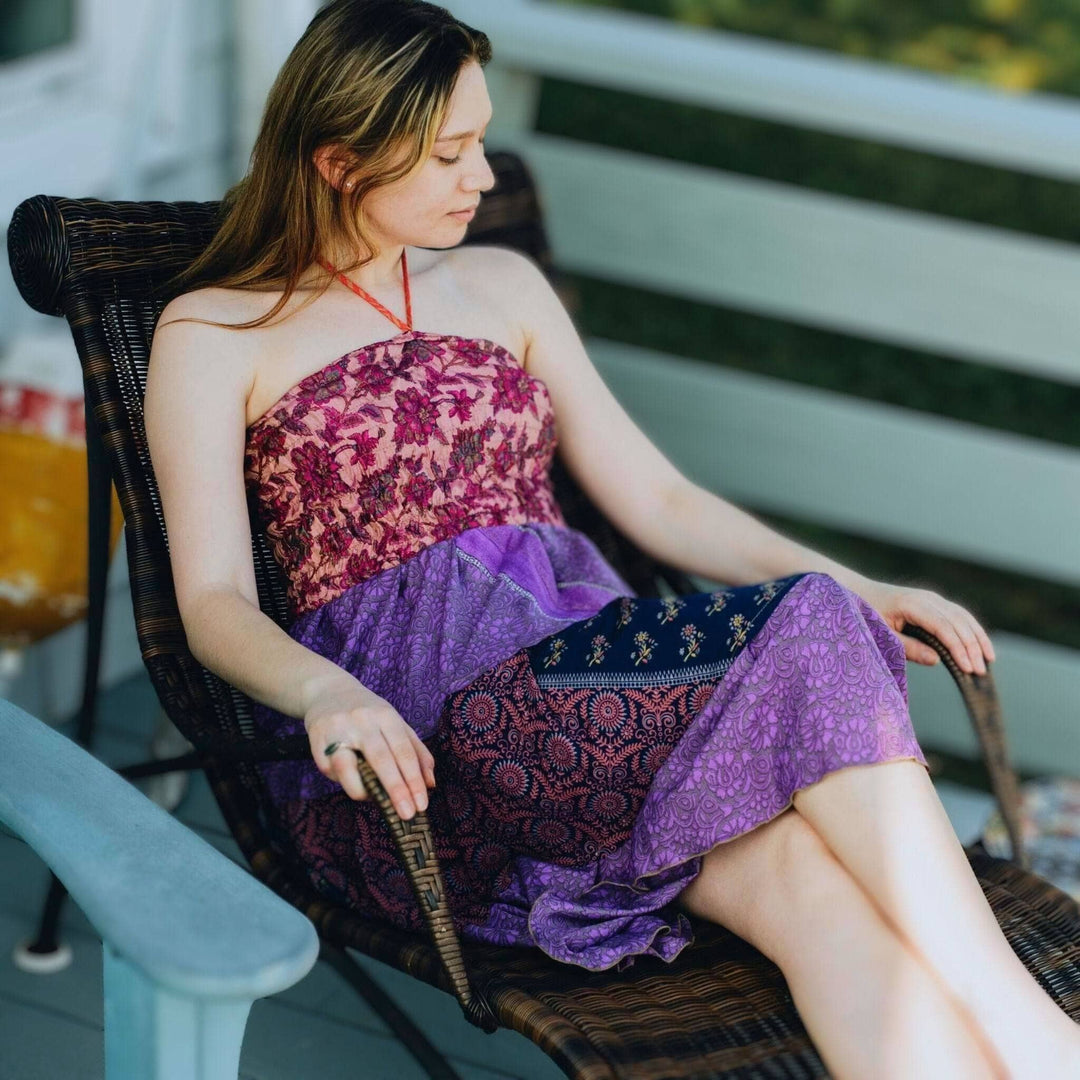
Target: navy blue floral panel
{"type": "Point", "coordinates": [636, 641]}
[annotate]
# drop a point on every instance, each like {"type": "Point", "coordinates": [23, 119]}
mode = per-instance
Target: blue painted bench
{"type": "Point", "coordinates": [190, 938]}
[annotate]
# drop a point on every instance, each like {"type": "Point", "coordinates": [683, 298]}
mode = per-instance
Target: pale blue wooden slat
{"type": "Point", "coordinates": [816, 88]}
{"type": "Point", "coordinates": [875, 469]}
{"type": "Point", "coordinates": [915, 279]}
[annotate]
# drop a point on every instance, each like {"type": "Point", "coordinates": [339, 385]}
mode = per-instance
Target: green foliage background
{"type": "Point", "coordinates": [1013, 44]}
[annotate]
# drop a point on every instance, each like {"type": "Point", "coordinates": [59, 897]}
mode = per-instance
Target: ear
{"type": "Point", "coordinates": [332, 161]}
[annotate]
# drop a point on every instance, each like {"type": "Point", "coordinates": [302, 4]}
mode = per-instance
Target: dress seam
{"type": "Point", "coordinates": [673, 676]}
{"type": "Point", "coordinates": [521, 590]}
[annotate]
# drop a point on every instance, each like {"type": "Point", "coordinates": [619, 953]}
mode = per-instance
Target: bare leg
{"type": "Point", "coordinates": [871, 1007]}
{"type": "Point", "coordinates": [887, 826]}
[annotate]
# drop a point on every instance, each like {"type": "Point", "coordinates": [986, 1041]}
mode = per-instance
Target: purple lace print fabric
{"type": "Point", "coordinates": [822, 686]}
{"type": "Point", "coordinates": [426, 627]}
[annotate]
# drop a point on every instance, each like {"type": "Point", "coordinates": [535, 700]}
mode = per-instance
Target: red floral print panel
{"type": "Point", "coordinates": [395, 446]}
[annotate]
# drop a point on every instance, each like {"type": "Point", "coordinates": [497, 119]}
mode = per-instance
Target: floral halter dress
{"type": "Point", "coordinates": [591, 745]}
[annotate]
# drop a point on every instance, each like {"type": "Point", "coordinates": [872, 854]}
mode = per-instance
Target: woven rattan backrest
{"type": "Point", "coordinates": [104, 267]}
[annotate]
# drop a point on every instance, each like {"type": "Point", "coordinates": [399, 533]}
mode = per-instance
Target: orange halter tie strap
{"type": "Point", "coordinates": [407, 325]}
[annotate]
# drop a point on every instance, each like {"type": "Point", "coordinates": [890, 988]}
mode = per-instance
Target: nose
{"type": "Point", "coordinates": [484, 178]}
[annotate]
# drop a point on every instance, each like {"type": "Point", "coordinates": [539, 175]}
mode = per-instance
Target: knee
{"type": "Point", "coordinates": [760, 885]}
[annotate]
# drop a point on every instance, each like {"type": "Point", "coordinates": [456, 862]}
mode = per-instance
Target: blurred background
{"type": "Point", "coordinates": [824, 251]}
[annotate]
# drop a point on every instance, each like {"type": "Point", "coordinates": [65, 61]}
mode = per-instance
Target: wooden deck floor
{"type": "Point", "coordinates": [51, 1026]}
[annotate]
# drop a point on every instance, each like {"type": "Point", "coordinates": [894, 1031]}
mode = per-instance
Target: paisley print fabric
{"type": "Point", "coordinates": [686, 639]}
{"type": "Point", "coordinates": [590, 745]}
{"type": "Point", "coordinates": [567, 757]}
{"type": "Point", "coordinates": [822, 686]}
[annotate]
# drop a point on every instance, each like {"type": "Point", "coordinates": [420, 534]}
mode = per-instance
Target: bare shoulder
{"type": "Point", "coordinates": [188, 346]}
{"type": "Point", "coordinates": [180, 316]}
{"type": "Point", "coordinates": [199, 378]}
{"type": "Point", "coordinates": [503, 269]}
{"type": "Point", "coordinates": [194, 414]}
{"type": "Point", "coordinates": [510, 280]}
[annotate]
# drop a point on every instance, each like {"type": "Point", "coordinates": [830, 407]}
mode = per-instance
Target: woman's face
{"type": "Point", "coordinates": [418, 211]}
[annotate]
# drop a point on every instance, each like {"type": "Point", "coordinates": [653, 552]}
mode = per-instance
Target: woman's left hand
{"type": "Point", "coordinates": [957, 629]}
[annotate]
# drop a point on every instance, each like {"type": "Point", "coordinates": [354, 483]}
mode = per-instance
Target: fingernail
{"type": "Point", "coordinates": [407, 810]}
{"type": "Point", "coordinates": [422, 802]}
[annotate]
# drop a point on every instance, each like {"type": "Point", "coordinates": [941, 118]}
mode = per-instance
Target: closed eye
{"type": "Point", "coordinates": [455, 160]}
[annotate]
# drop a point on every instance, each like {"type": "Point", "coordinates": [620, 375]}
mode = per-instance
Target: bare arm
{"type": "Point", "coordinates": [196, 394]}
{"type": "Point", "coordinates": [194, 409]}
{"type": "Point", "coordinates": [231, 636]}
{"type": "Point", "coordinates": [666, 514]}
{"type": "Point", "coordinates": [626, 475]}
{"type": "Point", "coordinates": [751, 551]}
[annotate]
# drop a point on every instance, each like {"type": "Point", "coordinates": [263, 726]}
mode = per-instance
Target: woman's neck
{"type": "Point", "coordinates": [383, 273]}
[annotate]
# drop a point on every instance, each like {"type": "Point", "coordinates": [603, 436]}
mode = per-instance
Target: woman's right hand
{"type": "Point", "coordinates": [349, 714]}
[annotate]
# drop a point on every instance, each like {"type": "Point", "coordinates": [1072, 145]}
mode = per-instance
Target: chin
{"type": "Point", "coordinates": [446, 243]}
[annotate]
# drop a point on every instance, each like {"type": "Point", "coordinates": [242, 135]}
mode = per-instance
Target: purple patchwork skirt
{"type": "Point", "coordinates": [590, 745]}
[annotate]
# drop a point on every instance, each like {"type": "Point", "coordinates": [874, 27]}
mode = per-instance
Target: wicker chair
{"type": "Point", "coordinates": [721, 1008]}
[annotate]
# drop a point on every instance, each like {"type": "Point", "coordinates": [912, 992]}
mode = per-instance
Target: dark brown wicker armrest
{"type": "Point", "coordinates": [984, 709]}
{"type": "Point", "coordinates": [416, 851]}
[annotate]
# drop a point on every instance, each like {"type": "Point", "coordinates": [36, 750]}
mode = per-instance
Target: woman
{"type": "Point", "coordinates": [605, 762]}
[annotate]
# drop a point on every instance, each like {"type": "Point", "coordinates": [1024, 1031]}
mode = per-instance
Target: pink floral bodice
{"type": "Point", "coordinates": [395, 446]}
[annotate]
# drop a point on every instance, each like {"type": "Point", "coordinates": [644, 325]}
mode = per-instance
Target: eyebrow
{"type": "Point", "coordinates": [459, 135]}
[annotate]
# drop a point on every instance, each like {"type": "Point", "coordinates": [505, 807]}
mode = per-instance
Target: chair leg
{"type": "Point", "coordinates": [46, 955]}
{"type": "Point", "coordinates": [408, 1034]}
{"type": "Point", "coordinates": [99, 511]}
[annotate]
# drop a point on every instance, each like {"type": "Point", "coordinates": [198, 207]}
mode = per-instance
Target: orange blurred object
{"type": "Point", "coordinates": [43, 509]}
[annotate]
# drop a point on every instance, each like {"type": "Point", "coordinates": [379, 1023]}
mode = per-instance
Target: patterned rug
{"type": "Point", "coordinates": [1050, 825]}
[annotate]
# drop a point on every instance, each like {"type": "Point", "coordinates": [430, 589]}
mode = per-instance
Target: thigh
{"type": "Point", "coordinates": [757, 884]}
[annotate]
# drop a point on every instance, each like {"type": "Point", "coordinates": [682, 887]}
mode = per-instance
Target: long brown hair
{"type": "Point", "coordinates": [373, 76]}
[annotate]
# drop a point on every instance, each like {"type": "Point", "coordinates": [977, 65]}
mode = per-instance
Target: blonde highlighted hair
{"type": "Point", "coordinates": [373, 77]}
